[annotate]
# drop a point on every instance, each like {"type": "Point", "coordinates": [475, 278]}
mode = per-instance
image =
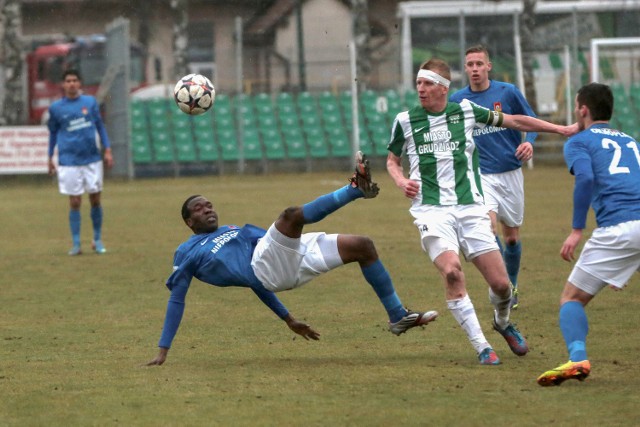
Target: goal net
{"type": "Point", "coordinates": [616, 62]}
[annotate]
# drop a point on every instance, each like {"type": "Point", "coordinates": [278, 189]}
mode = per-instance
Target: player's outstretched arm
{"type": "Point", "coordinates": [160, 358]}
{"type": "Point", "coordinates": [301, 328]}
{"type": "Point", "coordinates": [524, 123]}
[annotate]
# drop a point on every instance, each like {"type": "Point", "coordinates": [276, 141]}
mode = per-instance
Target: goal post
{"type": "Point", "coordinates": [616, 62]}
{"type": "Point", "coordinates": [623, 53]}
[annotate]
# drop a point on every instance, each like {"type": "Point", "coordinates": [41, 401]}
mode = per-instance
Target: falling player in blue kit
{"type": "Point", "coordinates": [73, 123]}
{"type": "Point", "coordinates": [606, 166]}
{"type": "Point", "coordinates": [502, 152]}
{"type": "Point", "coordinates": [279, 259]}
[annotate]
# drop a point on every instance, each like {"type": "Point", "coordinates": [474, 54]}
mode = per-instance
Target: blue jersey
{"type": "Point", "coordinates": [73, 124]}
{"type": "Point", "coordinates": [615, 161]}
{"type": "Point", "coordinates": [497, 146]}
{"type": "Point", "coordinates": [221, 258]}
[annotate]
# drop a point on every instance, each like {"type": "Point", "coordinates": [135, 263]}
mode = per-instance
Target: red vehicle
{"type": "Point", "coordinates": [46, 63]}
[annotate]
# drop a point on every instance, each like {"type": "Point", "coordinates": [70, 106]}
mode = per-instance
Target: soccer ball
{"type": "Point", "coordinates": [194, 94]}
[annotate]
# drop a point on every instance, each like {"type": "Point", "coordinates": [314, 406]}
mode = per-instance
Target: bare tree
{"type": "Point", "coordinates": [11, 53]}
{"type": "Point", "coordinates": [179, 11]}
{"type": "Point", "coordinates": [362, 38]}
{"type": "Point", "coordinates": [528, 21]}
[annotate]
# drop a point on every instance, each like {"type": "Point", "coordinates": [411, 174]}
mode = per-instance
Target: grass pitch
{"type": "Point", "coordinates": [77, 331]}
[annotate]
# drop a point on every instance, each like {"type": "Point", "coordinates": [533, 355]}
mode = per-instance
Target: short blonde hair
{"type": "Point", "coordinates": [439, 66]}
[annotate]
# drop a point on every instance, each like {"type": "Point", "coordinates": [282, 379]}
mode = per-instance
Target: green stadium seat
{"type": "Point", "coordinates": [229, 150]}
{"type": "Point", "coordinates": [311, 120]}
{"type": "Point", "coordinates": [286, 109]}
{"type": "Point", "coordinates": [380, 137]}
{"type": "Point", "coordinates": [284, 98]}
{"type": "Point", "coordinates": [138, 114]}
{"type": "Point", "coordinates": [368, 100]}
{"type": "Point", "coordinates": [248, 121]}
{"type": "Point", "coordinates": [273, 144]}
{"type": "Point", "coordinates": [181, 123]}
{"type": "Point", "coordinates": [252, 148]}
{"type": "Point", "coordinates": [306, 98]}
{"type": "Point", "coordinates": [634, 92]}
{"type": "Point", "coordinates": [185, 148]}
{"type": "Point", "coordinates": [228, 143]}
{"type": "Point", "coordinates": [265, 109]}
{"type": "Point", "coordinates": [394, 103]}
{"type": "Point", "coordinates": [203, 122]}
{"type": "Point", "coordinates": [222, 105]}
{"type": "Point", "coordinates": [207, 152]}
{"type": "Point", "coordinates": [289, 121]}
{"type": "Point", "coordinates": [294, 141]}
{"type": "Point", "coordinates": [332, 121]}
{"type": "Point", "coordinates": [345, 100]}
{"type": "Point", "coordinates": [285, 104]}
{"type": "Point", "coordinates": [339, 142]}
{"type": "Point", "coordinates": [224, 122]}
{"type": "Point", "coordinates": [328, 103]}
{"type": "Point", "coordinates": [159, 107]}
{"type": "Point", "coordinates": [620, 95]}
{"type": "Point", "coordinates": [308, 110]}
{"type": "Point", "coordinates": [163, 149]}
{"type": "Point", "coordinates": [141, 147]}
{"type": "Point", "coordinates": [267, 121]}
{"type": "Point", "coordinates": [410, 98]}
{"type": "Point", "coordinates": [245, 109]}
{"type": "Point", "coordinates": [316, 141]}
{"type": "Point", "coordinates": [206, 145]}
{"type": "Point", "coordinates": [376, 119]}
{"type": "Point", "coordinates": [262, 100]}
{"type": "Point", "coordinates": [139, 124]}
{"type": "Point", "coordinates": [330, 109]}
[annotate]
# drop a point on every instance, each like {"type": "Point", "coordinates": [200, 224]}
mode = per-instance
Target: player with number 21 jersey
{"type": "Point", "coordinates": [615, 161]}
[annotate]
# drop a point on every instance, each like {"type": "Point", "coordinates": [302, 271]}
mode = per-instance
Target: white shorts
{"type": "Point", "coordinates": [454, 228]}
{"type": "Point", "coordinates": [609, 257]}
{"type": "Point", "coordinates": [504, 195]}
{"type": "Point", "coordinates": [282, 263]}
{"type": "Point", "coordinates": [76, 180]}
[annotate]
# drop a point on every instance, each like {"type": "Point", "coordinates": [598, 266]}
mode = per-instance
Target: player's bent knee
{"type": "Point", "coordinates": [292, 214]}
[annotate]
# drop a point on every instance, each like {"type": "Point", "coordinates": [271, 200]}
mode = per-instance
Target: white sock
{"type": "Point", "coordinates": [465, 314]}
{"type": "Point", "coordinates": [502, 308]}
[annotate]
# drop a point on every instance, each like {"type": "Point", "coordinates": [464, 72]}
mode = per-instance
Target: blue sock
{"type": "Point", "coordinates": [324, 205]}
{"type": "Point", "coordinates": [379, 279]}
{"type": "Point", "coordinates": [575, 327]}
{"type": "Point", "coordinates": [74, 225]}
{"type": "Point", "coordinates": [512, 255]}
{"type": "Point", "coordinates": [96, 218]}
{"type": "Point", "coordinates": [500, 246]}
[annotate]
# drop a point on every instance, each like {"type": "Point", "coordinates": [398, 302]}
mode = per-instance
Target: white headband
{"type": "Point", "coordinates": [436, 78]}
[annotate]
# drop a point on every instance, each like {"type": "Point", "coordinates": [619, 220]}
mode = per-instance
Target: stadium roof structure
{"type": "Point", "coordinates": [432, 9]}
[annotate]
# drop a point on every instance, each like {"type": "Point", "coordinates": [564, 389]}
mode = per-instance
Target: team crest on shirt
{"type": "Point", "coordinates": [497, 106]}
{"type": "Point", "coordinates": [85, 111]}
{"type": "Point", "coordinates": [454, 119]}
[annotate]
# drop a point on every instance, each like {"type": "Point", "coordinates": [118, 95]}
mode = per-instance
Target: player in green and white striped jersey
{"type": "Point", "coordinates": [447, 201]}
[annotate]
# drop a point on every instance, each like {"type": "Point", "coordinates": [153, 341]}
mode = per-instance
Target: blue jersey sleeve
{"type": "Point", "coordinates": [271, 300]}
{"type": "Point", "coordinates": [178, 283]}
{"type": "Point", "coordinates": [582, 192]}
{"type": "Point", "coordinates": [99, 124]}
{"type": "Point", "coordinates": [53, 126]}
